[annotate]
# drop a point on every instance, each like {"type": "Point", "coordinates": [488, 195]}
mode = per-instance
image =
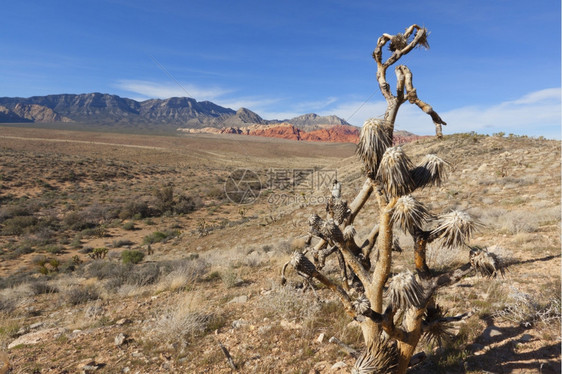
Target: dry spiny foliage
{"type": "Point", "coordinates": [331, 231]}
{"type": "Point", "coordinates": [422, 42]}
{"type": "Point", "coordinates": [379, 358]}
{"type": "Point", "coordinates": [394, 172]}
{"type": "Point", "coordinates": [373, 142]}
{"type": "Point", "coordinates": [432, 171]}
{"type": "Point", "coordinates": [404, 291]}
{"type": "Point", "coordinates": [435, 328]}
{"type": "Point", "coordinates": [338, 210]}
{"type": "Point", "coordinates": [349, 232]}
{"type": "Point", "coordinates": [455, 228]}
{"type": "Point", "coordinates": [410, 214]}
{"type": "Point", "coordinates": [361, 304]}
{"type": "Point", "coordinates": [398, 42]}
{"type": "Point", "coordinates": [302, 264]}
{"type": "Point", "coordinates": [485, 262]}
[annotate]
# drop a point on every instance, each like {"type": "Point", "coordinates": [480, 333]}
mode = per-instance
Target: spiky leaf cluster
{"type": "Point", "coordinates": [338, 210]}
{"type": "Point", "coordinates": [455, 228]}
{"type": "Point", "coordinates": [432, 171]}
{"type": "Point", "coordinates": [331, 231]}
{"type": "Point", "coordinates": [315, 222]}
{"type": "Point", "coordinates": [349, 232]}
{"type": "Point", "coordinates": [394, 172]}
{"type": "Point", "coordinates": [410, 214]}
{"type": "Point", "coordinates": [398, 42]}
{"type": "Point", "coordinates": [435, 328]}
{"type": "Point", "coordinates": [302, 264]}
{"type": "Point", "coordinates": [380, 358]}
{"type": "Point", "coordinates": [361, 304]}
{"type": "Point", "coordinates": [404, 291]}
{"type": "Point", "coordinates": [373, 142]}
{"type": "Point", "coordinates": [486, 263]}
{"type": "Point", "coordinates": [422, 42]}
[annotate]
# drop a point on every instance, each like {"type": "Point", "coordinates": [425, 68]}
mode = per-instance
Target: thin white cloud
{"type": "Point", "coordinates": [536, 113]}
{"type": "Point", "coordinates": [163, 91]}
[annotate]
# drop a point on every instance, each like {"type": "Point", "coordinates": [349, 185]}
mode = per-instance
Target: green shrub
{"type": "Point", "coordinates": [129, 226]}
{"type": "Point", "coordinates": [160, 236]}
{"type": "Point", "coordinates": [132, 257]}
{"type": "Point", "coordinates": [98, 253]}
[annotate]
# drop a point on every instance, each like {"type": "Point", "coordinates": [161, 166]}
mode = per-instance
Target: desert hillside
{"type": "Point", "coordinates": [129, 254]}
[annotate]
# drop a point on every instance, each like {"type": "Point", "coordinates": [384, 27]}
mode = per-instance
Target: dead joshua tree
{"type": "Point", "coordinates": [394, 312]}
{"type": "Point", "coordinates": [401, 45]}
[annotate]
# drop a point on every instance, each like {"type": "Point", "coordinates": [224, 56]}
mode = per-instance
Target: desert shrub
{"type": "Point", "coordinates": [289, 303]}
{"type": "Point", "coordinates": [132, 257]}
{"type": "Point", "coordinates": [526, 309]}
{"type": "Point", "coordinates": [76, 242]}
{"type": "Point", "coordinates": [11, 211]}
{"type": "Point", "coordinates": [98, 253]}
{"type": "Point", "coordinates": [216, 193]}
{"type": "Point", "coordinates": [77, 221]}
{"type": "Point", "coordinates": [40, 288]}
{"type": "Point", "coordinates": [137, 209]}
{"type": "Point", "coordinates": [16, 279]}
{"type": "Point", "coordinates": [18, 225]}
{"type": "Point", "coordinates": [116, 275]}
{"type": "Point", "coordinates": [187, 204]}
{"type": "Point", "coordinates": [185, 322]}
{"type": "Point", "coordinates": [129, 226]}
{"type": "Point", "coordinates": [179, 275]}
{"type": "Point", "coordinates": [53, 249]}
{"type": "Point", "coordinates": [16, 250]}
{"type": "Point", "coordinates": [81, 294]}
{"type": "Point", "coordinates": [160, 236]}
{"type": "Point", "coordinates": [518, 221]}
{"type": "Point", "coordinates": [144, 275]}
{"type": "Point", "coordinates": [7, 305]}
{"type": "Point", "coordinates": [121, 243]}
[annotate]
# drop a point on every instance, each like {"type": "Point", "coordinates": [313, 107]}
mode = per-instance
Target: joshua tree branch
{"type": "Point", "coordinates": [412, 97]}
{"type": "Point", "coordinates": [360, 199]}
{"type": "Point", "coordinates": [369, 243]}
{"type": "Point", "coordinates": [421, 35]}
{"type": "Point", "coordinates": [344, 297]}
{"type": "Point", "coordinates": [384, 248]}
{"type": "Point", "coordinates": [356, 266]}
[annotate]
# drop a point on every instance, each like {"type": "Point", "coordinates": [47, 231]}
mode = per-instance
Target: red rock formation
{"type": "Point", "coordinates": [327, 133]}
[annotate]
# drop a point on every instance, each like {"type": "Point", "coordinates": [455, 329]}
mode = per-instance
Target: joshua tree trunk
{"type": "Point", "coordinates": [394, 312]}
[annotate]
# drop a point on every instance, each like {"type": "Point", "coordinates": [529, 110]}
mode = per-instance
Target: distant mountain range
{"type": "Point", "coordinates": [105, 108]}
{"type": "Point", "coordinates": [181, 113]}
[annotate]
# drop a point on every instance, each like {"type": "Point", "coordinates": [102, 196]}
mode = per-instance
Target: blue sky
{"type": "Point", "coordinates": [493, 65]}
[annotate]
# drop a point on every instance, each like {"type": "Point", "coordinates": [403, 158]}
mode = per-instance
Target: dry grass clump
{"type": "Point", "coordinates": [81, 294]}
{"type": "Point", "coordinates": [290, 304]}
{"type": "Point", "coordinates": [526, 309]}
{"type": "Point", "coordinates": [188, 319]}
{"type": "Point", "coordinates": [183, 275]}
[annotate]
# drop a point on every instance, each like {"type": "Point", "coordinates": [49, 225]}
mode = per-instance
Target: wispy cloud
{"type": "Point", "coordinates": [151, 90]}
{"type": "Point", "coordinates": [536, 113]}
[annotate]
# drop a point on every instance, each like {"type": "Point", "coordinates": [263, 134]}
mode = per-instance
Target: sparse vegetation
{"type": "Point", "coordinates": [231, 272]}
